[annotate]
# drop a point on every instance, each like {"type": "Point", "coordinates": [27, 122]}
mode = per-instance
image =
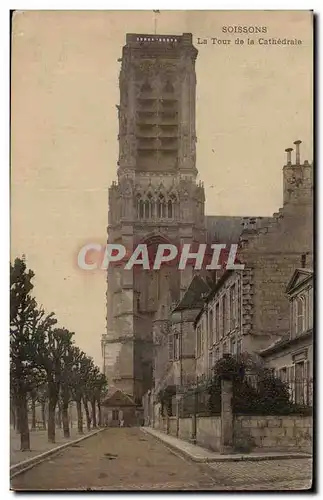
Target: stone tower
{"type": "Point", "coordinates": [156, 198]}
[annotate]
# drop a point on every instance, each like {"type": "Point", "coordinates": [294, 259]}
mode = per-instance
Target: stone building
{"type": "Point", "coordinates": [119, 409]}
{"type": "Point", "coordinates": [248, 309]}
{"type": "Point", "coordinates": [156, 199]}
{"type": "Point", "coordinates": [291, 355]}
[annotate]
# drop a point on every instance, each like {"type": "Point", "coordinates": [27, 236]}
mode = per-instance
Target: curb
{"type": "Point", "coordinates": [21, 467]}
{"type": "Point", "coordinates": [231, 458]}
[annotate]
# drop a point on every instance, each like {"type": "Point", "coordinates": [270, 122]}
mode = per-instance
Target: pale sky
{"type": "Point", "coordinates": [252, 103]}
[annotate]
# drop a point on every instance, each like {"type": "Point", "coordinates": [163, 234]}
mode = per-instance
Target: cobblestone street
{"type": "Point", "coordinates": [128, 459]}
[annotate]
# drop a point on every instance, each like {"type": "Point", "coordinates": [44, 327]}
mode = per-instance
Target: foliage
{"type": "Point", "coordinates": [44, 362]}
{"type": "Point", "coordinates": [267, 395]}
{"type": "Point", "coordinates": [165, 398]}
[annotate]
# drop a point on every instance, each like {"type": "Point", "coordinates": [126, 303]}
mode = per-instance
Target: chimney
{"type": "Point", "coordinates": [289, 155]}
{"type": "Point", "coordinates": [298, 156]}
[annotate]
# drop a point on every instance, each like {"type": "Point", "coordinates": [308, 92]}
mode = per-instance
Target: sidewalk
{"type": "Point", "coordinates": [39, 443]}
{"type": "Point", "coordinates": [199, 454]}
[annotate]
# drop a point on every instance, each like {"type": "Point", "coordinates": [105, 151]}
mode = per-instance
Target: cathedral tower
{"type": "Point", "coordinates": [156, 198]}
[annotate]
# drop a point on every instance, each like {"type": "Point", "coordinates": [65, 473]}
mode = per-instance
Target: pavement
{"type": "Point", "coordinates": [198, 454]}
{"type": "Point", "coordinates": [38, 443]}
{"type": "Point", "coordinates": [129, 460]}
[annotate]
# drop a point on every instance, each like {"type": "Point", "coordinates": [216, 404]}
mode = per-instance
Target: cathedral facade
{"type": "Point", "coordinates": [156, 199]}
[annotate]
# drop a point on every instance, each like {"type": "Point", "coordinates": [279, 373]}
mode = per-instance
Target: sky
{"type": "Point", "coordinates": [253, 101]}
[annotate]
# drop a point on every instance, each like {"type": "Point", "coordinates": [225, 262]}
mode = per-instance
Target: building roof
{"type": "Point", "coordinates": [117, 398]}
{"type": "Point", "coordinates": [227, 229]}
{"type": "Point", "coordinates": [284, 342]}
{"type": "Point", "coordinates": [212, 291]}
{"type": "Point", "coordinates": [195, 294]}
{"type": "Point", "coordinates": [299, 276]}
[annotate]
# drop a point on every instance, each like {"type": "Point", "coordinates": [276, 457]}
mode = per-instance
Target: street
{"type": "Point", "coordinates": [128, 459]}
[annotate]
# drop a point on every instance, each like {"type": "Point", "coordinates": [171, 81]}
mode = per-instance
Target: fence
{"type": "Point", "coordinates": [196, 400]}
{"type": "Point", "coordinates": [301, 392]}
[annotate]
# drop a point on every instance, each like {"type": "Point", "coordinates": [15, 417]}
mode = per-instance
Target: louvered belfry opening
{"type": "Point", "coordinates": [157, 127]}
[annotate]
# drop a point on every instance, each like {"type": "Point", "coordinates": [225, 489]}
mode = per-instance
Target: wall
{"type": "Point", "coordinates": [292, 432]}
{"type": "Point", "coordinates": [274, 253]}
{"type": "Point", "coordinates": [172, 426]}
{"type": "Point", "coordinates": [251, 433]}
{"type": "Point", "coordinates": [284, 357]}
{"type": "Point", "coordinates": [208, 432]}
{"type": "Point", "coordinates": [185, 428]}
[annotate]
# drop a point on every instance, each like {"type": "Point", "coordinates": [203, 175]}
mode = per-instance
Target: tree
{"type": "Point", "coordinates": [79, 376]}
{"type": "Point", "coordinates": [101, 388]}
{"type": "Point", "coordinates": [50, 346]}
{"type": "Point", "coordinates": [95, 386]}
{"type": "Point", "coordinates": [70, 360]}
{"type": "Point", "coordinates": [22, 369]}
{"type": "Point", "coordinates": [262, 393]}
{"type": "Point", "coordinates": [42, 398]}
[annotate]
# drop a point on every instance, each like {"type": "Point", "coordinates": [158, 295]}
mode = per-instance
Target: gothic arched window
{"type": "Point", "coordinates": [147, 209]}
{"type": "Point", "coordinates": [161, 207]}
{"type": "Point", "coordinates": [170, 209]}
{"type": "Point", "coordinates": [146, 87]}
{"type": "Point", "coordinates": [168, 87]}
{"type": "Point", "coordinates": [141, 209]}
{"type": "Point", "coordinates": [151, 205]}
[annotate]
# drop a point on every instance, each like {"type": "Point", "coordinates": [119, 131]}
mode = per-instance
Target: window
{"type": "Point", "coordinates": [141, 209]}
{"type": "Point", "coordinates": [210, 362]}
{"type": "Point", "coordinates": [224, 315]}
{"type": "Point", "coordinates": [300, 315]}
{"type": "Point", "coordinates": [225, 348]}
{"type": "Point", "coordinates": [233, 346]}
{"type": "Point", "coordinates": [147, 209]}
{"type": "Point", "coordinates": [176, 347]}
{"type": "Point", "coordinates": [282, 373]}
{"type": "Point", "coordinates": [210, 327]}
{"type": "Point", "coordinates": [310, 308]}
{"type": "Point", "coordinates": [299, 382]}
{"type": "Point", "coordinates": [239, 345]}
{"type": "Point", "coordinates": [170, 209]}
{"type": "Point", "coordinates": [198, 341]}
{"type": "Point", "coordinates": [233, 315]}
{"type": "Point", "coordinates": [170, 347]}
{"type": "Point", "coordinates": [217, 322]}
{"type": "Point", "coordinates": [115, 414]}
{"type": "Point", "coordinates": [161, 207]}
{"type": "Point", "coordinates": [217, 355]}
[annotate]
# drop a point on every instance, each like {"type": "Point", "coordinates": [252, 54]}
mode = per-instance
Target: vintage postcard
{"type": "Point", "coordinates": [161, 278]}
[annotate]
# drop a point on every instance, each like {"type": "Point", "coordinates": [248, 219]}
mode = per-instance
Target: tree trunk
{"type": "Point", "coordinates": [59, 416]}
{"type": "Point", "coordinates": [17, 418]}
{"type": "Point", "coordinates": [100, 414]}
{"type": "Point", "coordinates": [13, 419]}
{"type": "Point", "coordinates": [79, 416]}
{"type": "Point", "coordinates": [43, 415]}
{"type": "Point", "coordinates": [93, 413]}
{"type": "Point", "coordinates": [66, 428]}
{"type": "Point", "coordinates": [51, 420]}
{"type": "Point", "coordinates": [23, 422]}
{"type": "Point", "coordinates": [33, 413]}
{"type": "Point", "coordinates": [87, 413]}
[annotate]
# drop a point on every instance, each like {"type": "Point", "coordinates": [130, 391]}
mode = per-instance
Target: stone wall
{"type": "Point", "coordinates": [290, 432]}
{"type": "Point", "coordinates": [208, 432]}
{"type": "Point", "coordinates": [172, 426]}
{"type": "Point", "coordinates": [185, 428]}
{"type": "Point", "coordinates": [250, 433]}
